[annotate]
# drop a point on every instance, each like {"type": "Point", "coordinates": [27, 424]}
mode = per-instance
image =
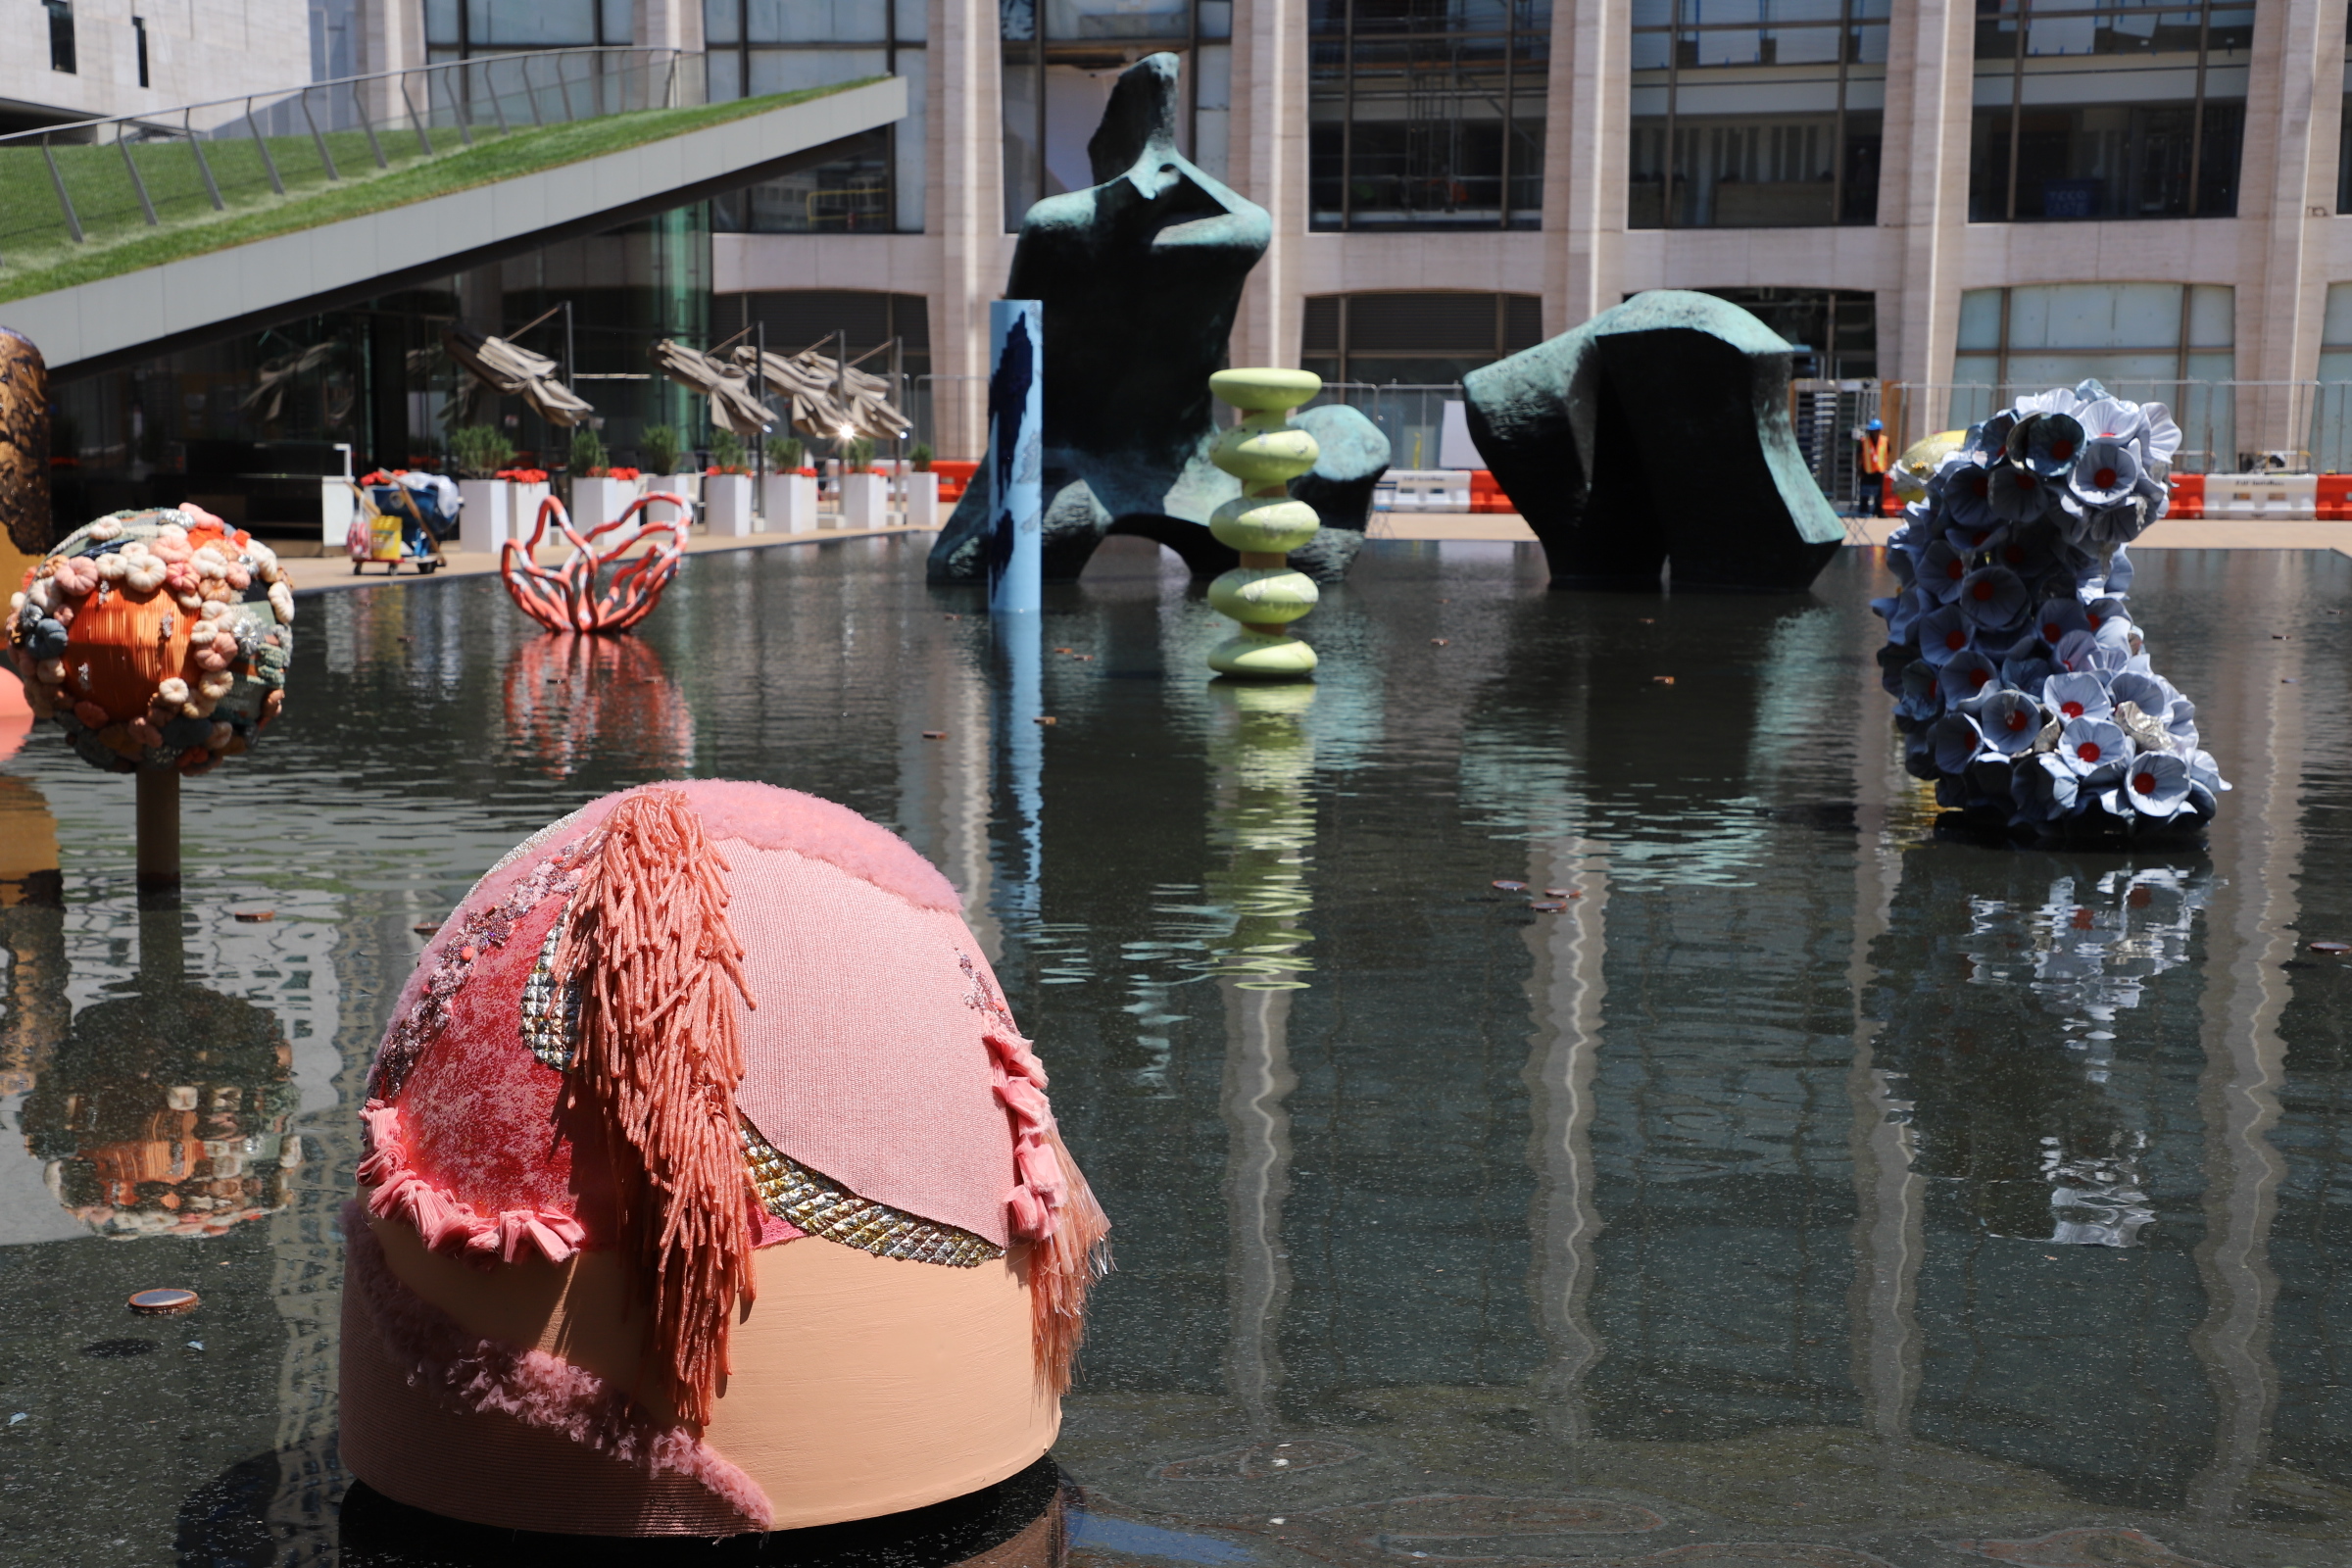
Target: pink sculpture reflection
{"type": "Point", "coordinates": [571, 699]}
{"type": "Point", "coordinates": [570, 597]}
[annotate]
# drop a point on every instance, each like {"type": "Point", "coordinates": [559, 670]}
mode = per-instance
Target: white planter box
{"type": "Point", "coordinates": [336, 508]}
{"type": "Point", "coordinates": [597, 501]}
{"type": "Point", "coordinates": [482, 524]}
{"type": "Point", "coordinates": [522, 509]}
{"type": "Point", "coordinates": [688, 485]}
{"type": "Point", "coordinates": [864, 501]}
{"type": "Point", "coordinates": [727, 505]}
{"type": "Point", "coordinates": [790, 503]}
{"type": "Point", "coordinates": [922, 500]}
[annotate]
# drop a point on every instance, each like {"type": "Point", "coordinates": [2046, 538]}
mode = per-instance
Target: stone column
{"type": "Point", "coordinates": [1931, 56]}
{"type": "Point", "coordinates": [965, 214]}
{"type": "Point", "coordinates": [669, 24]}
{"type": "Point", "coordinates": [2286, 177]}
{"type": "Point", "coordinates": [1587, 99]}
{"type": "Point", "coordinates": [386, 37]}
{"type": "Point", "coordinates": [1267, 163]}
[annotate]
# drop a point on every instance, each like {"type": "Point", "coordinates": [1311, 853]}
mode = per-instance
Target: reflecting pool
{"type": "Point", "coordinates": [1802, 1188]}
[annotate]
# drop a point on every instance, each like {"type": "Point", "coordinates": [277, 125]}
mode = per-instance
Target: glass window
{"type": "Point", "coordinates": [2115, 109]}
{"type": "Point", "coordinates": [61, 37]}
{"type": "Point", "coordinates": [2331, 405]}
{"type": "Point", "coordinates": [1756, 114]}
{"type": "Point", "coordinates": [1839, 328]}
{"type": "Point", "coordinates": [1427, 114]}
{"type": "Point", "coordinates": [2158, 341]}
{"type": "Point", "coordinates": [2343, 144]}
{"type": "Point", "coordinates": [1415, 339]}
{"type": "Point", "coordinates": [1059, 78]}
{"type": "Point", "coordinates": [459, 30]}
{"type": "Point", "coordinates": [758, 47]}
{"type": "Point", "coordinates": [541, 24]}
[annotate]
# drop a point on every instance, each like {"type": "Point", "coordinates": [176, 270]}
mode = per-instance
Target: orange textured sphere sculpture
{"type": "Point", "coordinates": [709, 1188]}
{"type": "Point", "coordinates": [155, 639]}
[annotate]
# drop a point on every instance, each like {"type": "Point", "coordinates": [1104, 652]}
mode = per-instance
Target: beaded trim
{"type": "Point", "coordinates": [825, 1208]}
{"type": "Point", "coordinates": [550, 1027]}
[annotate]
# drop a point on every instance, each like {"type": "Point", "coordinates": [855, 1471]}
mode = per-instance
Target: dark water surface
{"type": "Point", "coordinates": [1809, 1190]}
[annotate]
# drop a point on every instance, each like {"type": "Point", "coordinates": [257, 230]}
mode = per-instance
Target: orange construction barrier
{"type": "Point", "coordinates": [954, 476]}
{"type": "Point", "coordinates": [1486, 495]}
{"type": "Point", "coordinates": [2335, 498]}
{"type": "Point", "coordinates": [2189, 495]}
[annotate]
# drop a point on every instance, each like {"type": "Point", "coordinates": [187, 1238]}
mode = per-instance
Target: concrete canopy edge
{"type": "Point", "coordinates": [288, 275]}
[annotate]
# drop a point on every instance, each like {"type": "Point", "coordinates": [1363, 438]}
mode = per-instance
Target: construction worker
{"type": "Point", "coordinates": [1870, 470]}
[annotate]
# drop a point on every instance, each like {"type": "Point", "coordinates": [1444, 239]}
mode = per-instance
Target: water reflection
{"type": "Point", "coordinates": [1262, 829]}
{"type": "Point", "coordinates": [1707, 1222]}
{"type": "Point", "coordinates": [163, 1110]}
{"type": "Point", "coordinates": [571, 699]}
{"type": "Point", "coordinates": [2024, 1100]}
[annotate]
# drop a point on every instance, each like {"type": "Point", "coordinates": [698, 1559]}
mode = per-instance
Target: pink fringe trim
{"type": "Point", "coordinates": [1050, 1206]}
{"type": "Point", "coordinates": [446, 1224]}
{"type": "Point", "coordinates": [542, 1391]}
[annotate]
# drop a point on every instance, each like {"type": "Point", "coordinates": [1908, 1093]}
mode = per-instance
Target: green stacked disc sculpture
{"type": "Point", "coordinates": [1266, 452]}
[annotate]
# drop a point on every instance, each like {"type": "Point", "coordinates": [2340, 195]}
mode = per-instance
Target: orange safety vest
{"type": "Point", "coordinates": [1874, 453]}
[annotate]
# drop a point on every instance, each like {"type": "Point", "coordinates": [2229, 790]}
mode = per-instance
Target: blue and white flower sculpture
{"type": "Point", "coordinates": [2025, 687]}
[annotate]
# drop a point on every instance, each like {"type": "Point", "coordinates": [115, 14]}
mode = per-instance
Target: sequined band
{"type": "Point", "coordinates": [823, 1208]}
{"type": "Point", "coordinates": [551, 1022]}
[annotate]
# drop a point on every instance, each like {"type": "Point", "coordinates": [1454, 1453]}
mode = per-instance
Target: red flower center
{"type": "Point", "coordinates": [2016, 721]}
{"type": "Point", "coordinates": [2093, 619]}
{"type": "Point", "coordinates": [1977, 482]}
{"type": "Point", "coordinates": [2051, 631]}
{"type": "Point", "coordinates": [2145, 783]}
{"type": "Point", "coordinates": [1977, 678]}
{"type": "Point", "coordinates": [1955, 639]}
{"type": "Point", "coordinates": [2088, 751]}
{"type": "Point", "coordinates": [2071, 709]}
{"type": "Point", "coordinates": [1955, 569]}
{"type": "Point", "coordinates": [1982, 591]}
{"type": "Point", "coordinates": [2025, 481]}
{"type": "Point", "coordinates": [2104, 479]}
{"type": "Point", "coordinates": [2015, 555]}
{"type": "Point", "coordinates": [2062, 450]}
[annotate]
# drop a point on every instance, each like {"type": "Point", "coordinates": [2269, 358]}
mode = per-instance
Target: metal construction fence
{"type": "Point", "coordinates": [2226, 426]}
{"type": "Point", "coordinates": [2314, 418]}
{"type": "Point", "coordinates": [1411, 417]}
{"type": "Point", "coordinates": [66, 185]}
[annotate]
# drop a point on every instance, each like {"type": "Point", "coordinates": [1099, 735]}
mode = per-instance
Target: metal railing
{"type": "Point", "coordinates": [113, 177]}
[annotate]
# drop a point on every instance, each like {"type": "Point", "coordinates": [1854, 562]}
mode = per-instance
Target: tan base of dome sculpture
{"type": "Point", "coordinates": [860, 1387]}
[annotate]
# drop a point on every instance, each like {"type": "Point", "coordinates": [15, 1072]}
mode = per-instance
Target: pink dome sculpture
{"type": "Point", "coordinates": [710, 1188]}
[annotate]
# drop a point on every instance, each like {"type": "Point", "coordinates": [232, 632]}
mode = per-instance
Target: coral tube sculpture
{"type": "Point", "coordinates": [2025, 687]}
{"type": "Point", "coordinates": [579, 596]}
{"type": "Point", "coordinates": [136, 637]}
